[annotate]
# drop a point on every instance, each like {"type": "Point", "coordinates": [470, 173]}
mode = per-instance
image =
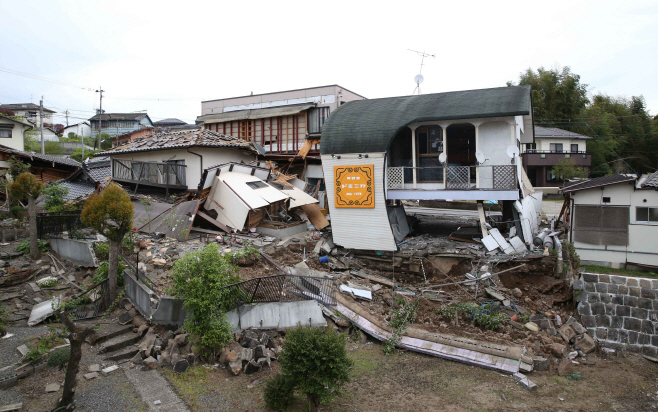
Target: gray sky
{"type": "Point", "coordinates": [168, 56]}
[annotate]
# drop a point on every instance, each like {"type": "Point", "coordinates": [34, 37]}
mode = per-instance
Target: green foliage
{"type": "Point", "coordinates": [59, 358]}
{"type": "Point", "coordinates": [556, 93]}
{"type": "Point", "coordinates": [4, 315]}
{"type": "Point", "coordinates": [316, 362]}
{"type": "Point", "coordinates": [16, 167]}
{"type": "Point", "coordinates": [279, 392]}
{"type": "Point", "coordinates": [17, 211]}
{"type": "Point", "coordinates": [399, 299]}
{"type": "Point", "coordinates": [42, 346]}
{"type": "Point", "coordinates": [47, 282]}
{"type": "Point", "coordinates": [400, 319]}
{"type": "Point", "coordinates": [246, 254]}
{"type": "Point", "coordinates": [102, 272]}
{"type": "Point", "coordinates": [102, 250]}
{"type": "Point", "coordinates": [31, 140]}
{"type": "Point", "coordinates": [53, 148]}
{"type": "Point", "coordinates": [77, 154]}
{"type": "Point", "coordinates": [110, 213]}
{"type": "Point", "coordinates": [198, 279]}
{"type": "Point", "coordinates": [485, 316]}
{"type": "Point", "coordinates": [620, 271]}
{"type": "Point", "coordinates": [24, 246]}
{"type": "Point", "coordinates": [74, 303]}
{"type": "Point", "coordinates": [566, 169]}
{"type": "Point", "coordinates": [574, 377]}
{"type": "Point", "coordinates": [573, 255]}
{"type": "Point", "coordinates": [489, 319]}
{"type": "Point", "coordinates": [26, 184]}
{"type": "Point", "coordinates": [54, 194]}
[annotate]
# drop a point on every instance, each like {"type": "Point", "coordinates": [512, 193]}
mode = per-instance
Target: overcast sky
{"type": "Point", "coordinates": [168, 56]}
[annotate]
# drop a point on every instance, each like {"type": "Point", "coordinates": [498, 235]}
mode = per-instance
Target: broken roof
{"type": "Point", "coordinates": [180, 140]}
{"type": "Point", "coordinates": [597, 182]}
{"type": "Point", "coordinates": [255, 113]}
{"type": "Point", "coordinates": [363, 126]}
{"type": "Point", "coordinates": [555, 133]}
{"type": "Point", "coordinates": [169, 122]}
{"type": "Point", "coordinates": [650, 181]}
{"type": "Point", "coordinates": [78, 189]}
{"type": "Point", "coordinates": [46, 158]}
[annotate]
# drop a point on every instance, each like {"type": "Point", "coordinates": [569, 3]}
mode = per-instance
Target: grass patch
{"type": "Point", "coordinates": [365, 361]}
{"type": "Point", "coordinates": [626, 272]}
{"type": "Point", "coordinates": [191, 384]}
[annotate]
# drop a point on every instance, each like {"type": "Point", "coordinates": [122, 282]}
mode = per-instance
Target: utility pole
{"type": "Point", "coordinates": [100, 112]}
{"type": "Point", "coordinates": [43, 145]}
{"type": "Point", "coordinates": [67, 117]}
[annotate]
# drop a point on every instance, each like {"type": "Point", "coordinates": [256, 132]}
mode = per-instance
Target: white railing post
{"type": "Point", "coordinates": [413, 153]}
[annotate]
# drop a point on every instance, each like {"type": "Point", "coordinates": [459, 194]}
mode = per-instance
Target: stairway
{"type": "Point", "coordinates": [117, 342]}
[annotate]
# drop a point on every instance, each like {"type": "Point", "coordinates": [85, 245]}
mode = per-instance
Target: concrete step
{"type": "Point", "coordinates": [108, 332]}
{"type": "Point", "coordinates": [119, 342]}
{"type": "Point", "coordinates": [126, 353]}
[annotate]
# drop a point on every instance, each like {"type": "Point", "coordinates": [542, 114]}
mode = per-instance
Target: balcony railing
{"type": "Point", "coordinates": [555, 151]}
{"type": "Point", "coordinates": [167, 175]}
{"type": "Point", "coordinates": [487, 177]}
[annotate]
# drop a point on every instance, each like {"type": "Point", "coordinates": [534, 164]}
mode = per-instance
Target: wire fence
{"type": "Point", "coordinates": [54, 224]}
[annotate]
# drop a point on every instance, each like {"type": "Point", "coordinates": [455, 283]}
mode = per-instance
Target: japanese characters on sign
{"type": "Point", "coordinates": [354, 186]}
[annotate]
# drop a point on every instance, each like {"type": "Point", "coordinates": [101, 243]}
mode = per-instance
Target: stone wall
{"type": "Point", "coordinates": [619, 311]}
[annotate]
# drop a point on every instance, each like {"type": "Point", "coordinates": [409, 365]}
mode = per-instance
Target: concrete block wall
{"type": "Point", "coordinates": [619, 311]}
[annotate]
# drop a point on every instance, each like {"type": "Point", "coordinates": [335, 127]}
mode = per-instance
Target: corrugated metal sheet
{"type": "Point", "coordinates": [367, 229]}
{"type": "Point", "coordinates": [254, 113]}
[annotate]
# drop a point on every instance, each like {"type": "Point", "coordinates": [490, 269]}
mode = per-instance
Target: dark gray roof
{"type": "Point", "coordinates": [24, 106]}
{"type": "Point", "coordinates": [651, 180]}
{"type": "Point", "coordinates": [363, 126]}
{"type": "Point", "coordinates": [555, 133]}
{"type": "Point", "coordinates": [3, 116]}
{"type": "Point", "coordinates": [98, 171]}
{"type": "Point", "coordinates": [47, 158]}
{"type": "Point", "coordinates": [180, 140]}
{"type": "Point", "coordinates": [78, 189]}
{"type": "Point", "coordinates": [597, 182]}
{"type": "Point", "coordinates": [168, 122]}
{"type": "Point", "coordinates": [120, 116]}
{"type": "Point", "coordinates": [251, 114]}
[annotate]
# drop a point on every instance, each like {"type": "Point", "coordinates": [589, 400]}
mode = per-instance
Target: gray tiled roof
{"type": "Point", "coordinates": [651, 180]}
{"type": "Point", "coordinates": [180, 140]}
{"type": "Point", "coordinates": [46, 158]}
{"type": "Point", "coordinates": [24, 106]}
{"type": "Point", "coordinates": [119, 116]}
{"type": "Point", "coordinates": [555, 133]}
{"type": "Point", "coordinates": [98, 171]}
{"type": "Point", "coordinates": [363, 126]}
{"type": "Point", "coordinates": [78, 189]}
{"type": "Point", "coordinates": [597, 182]}
{"type": "Point", "coordinates": [169, 122]}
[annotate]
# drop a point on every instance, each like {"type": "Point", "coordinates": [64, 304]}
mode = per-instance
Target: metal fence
{"type": "Point", "coordinates": [281, 288]}
{"type": "Point", "coordinates": [100, 294]}
{"type": "Point", "coordinates": [497, 177]}
{"type": "Point", "coordinates": [52, 225]}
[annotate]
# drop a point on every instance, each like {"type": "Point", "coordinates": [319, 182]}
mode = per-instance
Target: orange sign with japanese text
{"type": "Point", "coordinates": [354, 186]}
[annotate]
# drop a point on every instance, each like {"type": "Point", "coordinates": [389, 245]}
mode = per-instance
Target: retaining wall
{"type": "Point", "coordinates": [77, 251]}
{"type": "Point", "coordinates": [138, 293]}
{"type": "Point", "coordinates": [619, 311]}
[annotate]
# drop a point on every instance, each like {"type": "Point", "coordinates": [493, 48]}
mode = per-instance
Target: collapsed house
{"type": "Point", "coordinates": [446, 146]}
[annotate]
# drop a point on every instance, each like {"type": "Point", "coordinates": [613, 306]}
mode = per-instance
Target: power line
{"type": "Point", "coordinates": [43, 79]}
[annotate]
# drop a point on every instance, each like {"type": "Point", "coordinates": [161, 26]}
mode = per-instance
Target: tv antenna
{"type": "Point", "coordinates": [418, 79]}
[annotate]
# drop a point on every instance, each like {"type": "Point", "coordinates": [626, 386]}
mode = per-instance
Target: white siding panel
{"type": "Point", "coordinates": [367, 229]}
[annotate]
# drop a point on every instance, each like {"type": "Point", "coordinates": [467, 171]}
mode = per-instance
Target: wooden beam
{"type": "Point", "coordinates": [483, 219]}
{"type": "Point", "coordinates": [213, 221]}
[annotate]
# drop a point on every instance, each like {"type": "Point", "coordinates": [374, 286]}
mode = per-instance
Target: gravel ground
{"type": "Point", "coordinates": [108, 394]}
{"type": "Point", "coordinates": [8, 352]}
{"type": "Point", "coordinates": [9, 396]}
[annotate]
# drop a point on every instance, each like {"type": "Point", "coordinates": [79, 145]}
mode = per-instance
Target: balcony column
{"type": "Point", "coordinates": [477, 147]}
{"type": "Point", "coordinates": [444, 126]}
{"type": "Point", "coordinates": [413, 153]}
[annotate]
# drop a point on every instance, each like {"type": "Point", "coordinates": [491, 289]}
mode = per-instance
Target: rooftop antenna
{"type": "Point", "coordinates": [419, 77]}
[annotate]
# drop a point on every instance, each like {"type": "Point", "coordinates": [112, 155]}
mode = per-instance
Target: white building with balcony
{"type": "Point", "coordinates": [444, 146]}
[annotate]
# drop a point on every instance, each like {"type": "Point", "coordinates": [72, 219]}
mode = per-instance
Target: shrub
{"type": "Point", "coordinates": [279, 392]}
{"type": "Point", "coordinates": [399, 321]}
{"type": "Point", "coordinates": [199, 279]}
{"type": "Point", "coordinates": [485, 316]}
{"type": "Point", "coordinates": [47, 282]}
{"type": "Point", "coordinates": [54, 196]}
{"type": "Point", "coordinates": [574, 377]}
{"type": "Point", "coordinates": [17, 211]}
{"type": "Point", "coordinates": [103, 267]}
{"type": "Point", "coordinates": [102, 250]}
{"type": "Point", "coordinates": [59, 358]}
{"type": "Point", "coordinates": [316, 362]}
{"type": "Point", "coordinates": [245, 256]}
{"type": "Point", "coordinates": [4, 315]}
{"type": "Point", "coordinates": [24, 246]}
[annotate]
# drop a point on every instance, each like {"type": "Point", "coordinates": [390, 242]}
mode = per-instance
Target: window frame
{"type": "Point", "coordinates": [572, 149]}
{"type": "Point", "coordinates": [648, 214]}
{"type": "Point", "coordinates": [554, 148]}
{"type": "Point", "coordinates": [6, 130]}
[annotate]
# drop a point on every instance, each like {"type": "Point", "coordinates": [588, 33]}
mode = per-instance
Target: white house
{"type": "Point", "coordinates": [614, 220]}
{"type": "Point", "coordinates": [441, 146]}
{"type": "Point", "coordinates": [12, 133]}
{"type": "Point", "coordinates": [81, 129]}
{"type": "Point", "coordinates": [30, 112]}
{"type": "Point", "coordinates": [176, 160]}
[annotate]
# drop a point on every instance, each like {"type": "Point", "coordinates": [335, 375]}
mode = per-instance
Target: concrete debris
{"type": "Point", "coordinates": [358, 293]}
{"type": "Point", "coordinates": [95, 368]}
{"type": "Point", "coordinates": [91, 375]}
{"type": "Point", "coordinates": [109, 369]}
{"type": "Point", "coordinates": [524, 381]}
{"type": "Point", "coordinates": [42, 311]}
{"type": "Point", "coordinates": [23, 349]}
{"type": "Point", "coordinates": [52, 387]}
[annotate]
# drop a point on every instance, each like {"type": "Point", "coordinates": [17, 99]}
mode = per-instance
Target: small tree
{"type": "Point", "coordinates": [53, 148]}
{"type": "Point", "coordinates": [199, 279]}
{"type": "Point", "coordinates": [76, 337]}
{"type": "Point", "coordinates": [32, 141]}
{"type": "Point", "coordinates": [54, 194]}
{"type": "Point", "coordinates": [58, 129]}
{"type": "Point", "coordinates": [111, 214]}
{"type": "Point", "coordinates": [566, 169]}
{"type": "Point", "coordinates": [16, 167]}
{"type": "Point", "coordinates": [316, 361]}
{"type": "Point", "coordinates": [27, 186]}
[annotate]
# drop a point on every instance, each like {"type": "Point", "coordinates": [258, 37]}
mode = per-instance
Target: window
{"type": "Point", "coordinates": [316, 118]}
{"type": "Point", "coordinates": [601, 225]}
{"type": "Point", "coordinates": [574, 148]}
{"type": "Point", "coordinates": [429, 140]}
{"type": "Point", "coordinates": [530, 147]}
{"type": "Point", "coordinates": [5, 133]}
{"type": "Point", "coordinates": [646, 214]}
{"type": "Point", "coordinates": [556, 147]}
{"type": "Point", "coordinates": [606, 200]}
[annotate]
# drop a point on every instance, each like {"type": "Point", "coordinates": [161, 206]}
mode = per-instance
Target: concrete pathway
{"type": "Point", "coordinates": [551, 208]}
{"type": "Point", "coordinates": [153, 387]}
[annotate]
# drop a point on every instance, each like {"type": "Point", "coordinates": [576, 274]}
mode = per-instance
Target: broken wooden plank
{"type": "Point", "coordinates": [506, 247]}
{"type": "Point", "coordinates": [375, 279]}
{"type": "Point", "coordinates": [12, 407]}
{"type": "Point", "coordinates": [483, 219]}
{"type": "Point", "coordinates": [213, 221]}
{"type": "Point", "coordinates": [314, 213]}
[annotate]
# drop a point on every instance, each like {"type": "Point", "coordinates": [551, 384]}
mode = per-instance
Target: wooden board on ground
{"type": "Point", "coordinates": [314, 213]}
{"type": "Point", "coordinates": [175, 222]}
{"type": "Point", "coordinates": [371, 278]}
{"type": "Point", "coordinates": [213, 221]}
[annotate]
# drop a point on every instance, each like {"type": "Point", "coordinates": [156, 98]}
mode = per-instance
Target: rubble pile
{"type": "Point", "coordinates": [168, 349]}
{"type": "Point", "coordinates": [253, 351]}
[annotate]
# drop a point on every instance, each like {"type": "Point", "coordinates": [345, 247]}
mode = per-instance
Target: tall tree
{"type": "Point", "coordinates": [111, 214]}
{"type": "Point", "coordinates": [556, 93]}
{"type": "Point", "coordinates": [27, 186]}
